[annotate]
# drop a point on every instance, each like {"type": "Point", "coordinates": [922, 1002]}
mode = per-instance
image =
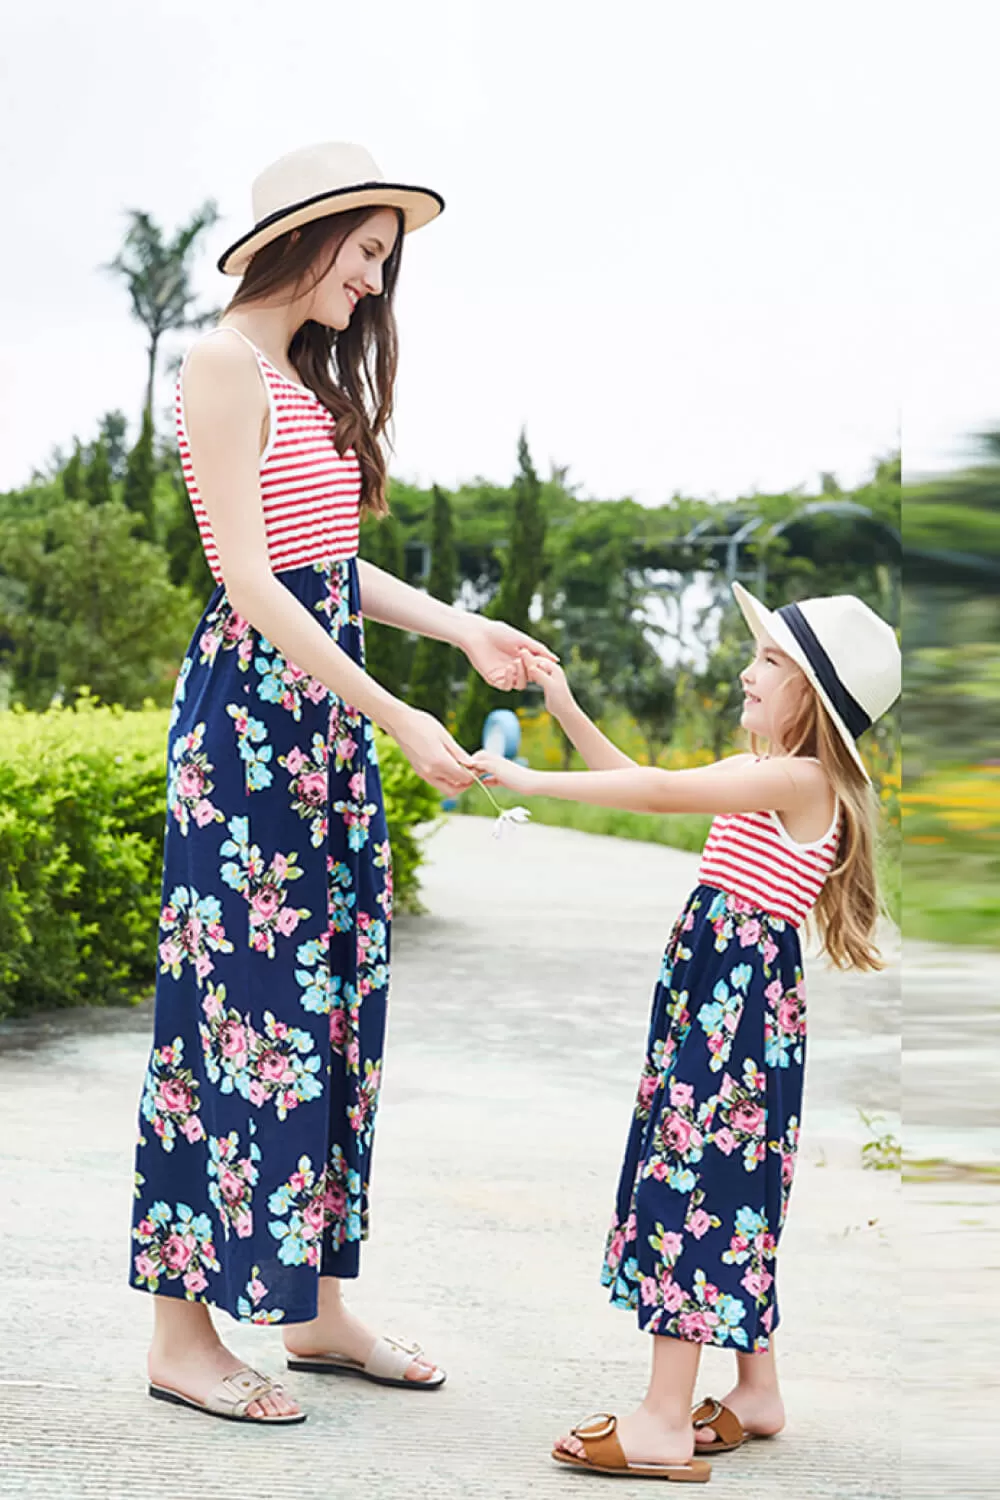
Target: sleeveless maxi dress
{"type": "Point", "coordinates": [259, 1101]}
{"type": "Point", "coordinates": [710, 1155]}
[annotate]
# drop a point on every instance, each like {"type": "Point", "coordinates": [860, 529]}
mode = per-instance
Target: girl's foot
{"type": "Point", "coordinates": [760, 1410]}
{"type": "Point", "coordinates": [646, 1438]}
{"type": "Point", "coordinates": [195, 1369]}
{"type": "Point", "coordinates": [337, 1331]}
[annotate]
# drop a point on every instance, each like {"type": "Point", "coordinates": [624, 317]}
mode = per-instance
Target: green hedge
{"type": "Point", "coordinates": [82, 810]}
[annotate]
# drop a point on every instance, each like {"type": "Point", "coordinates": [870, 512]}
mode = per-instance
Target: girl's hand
{"type": "Point", "coordinates": [494, 649]}
{"type": "Point", "coordinates": [431, 751]}
{"type": "Point", "coordinates": [496, 771]}
{"type": "Point", "coordinates": [551, 679]}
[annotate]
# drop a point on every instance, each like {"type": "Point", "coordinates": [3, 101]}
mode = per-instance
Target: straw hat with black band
{"type": "Point", "coordinates": [847, 651]}
{"type": "Point", "coordinates": [315, 182]}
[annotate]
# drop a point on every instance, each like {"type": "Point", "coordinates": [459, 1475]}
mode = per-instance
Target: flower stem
{"type": "Point", "coordinates": [489, 794]}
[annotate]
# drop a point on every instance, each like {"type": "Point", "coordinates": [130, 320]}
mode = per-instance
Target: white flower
{"type": "Point", "coordinates": [510, 816]}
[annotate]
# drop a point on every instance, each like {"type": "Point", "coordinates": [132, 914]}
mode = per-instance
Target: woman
{"type": "Point", "coordinates": [259, 1102]}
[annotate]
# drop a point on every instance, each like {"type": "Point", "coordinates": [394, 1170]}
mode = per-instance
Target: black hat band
{"type": "Point", "coordinates": [849, 709]}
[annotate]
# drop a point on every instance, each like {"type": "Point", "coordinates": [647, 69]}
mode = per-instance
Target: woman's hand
{"type": "Point", "coordinates": [431, 751]}
{"type": "Point", "coordinates": [495, 770]}
{"type": "Point", "coordinates": [552, 680]}
{"type": "Point", "coordinates": [494, 649]}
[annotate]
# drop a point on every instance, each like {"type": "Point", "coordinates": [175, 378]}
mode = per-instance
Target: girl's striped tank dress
{"type": "Point", "coordinates": [258, 1107]}
{"type": "Point", "coordinates": [711, 1150]}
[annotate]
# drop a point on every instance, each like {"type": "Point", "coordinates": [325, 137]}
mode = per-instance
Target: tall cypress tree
{"type": "Point", "coordinates": [140, 478]}
{"type": "Point", "coordinates": [97, 481]}
{"type": "Point", "coordinates": [387, 649]}
{"type": "Point", "coordinates": [434, 661]}
{"type": "Point", "coordinates": [522, 574]}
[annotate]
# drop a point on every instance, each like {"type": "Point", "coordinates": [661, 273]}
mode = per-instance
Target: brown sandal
{"type": "Point", "coordinates": [605, 1456]}
{"type": "Point", "coordinates": [730, 1433]}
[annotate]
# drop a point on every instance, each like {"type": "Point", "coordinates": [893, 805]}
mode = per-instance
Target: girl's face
{"type": "Point", "coordinates": [357, 271]}
{"type": "Point", "coordinates": [772, 685]}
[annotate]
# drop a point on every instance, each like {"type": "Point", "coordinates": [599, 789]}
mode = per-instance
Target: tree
{"type": "Point", "coordinates": [71, 476]}
{"type": "Point", "coordinates": [433, 661]}
{"type": "Point", "coordinates": [387, 649]}
{"type": "Point", "coordinates": [157, 274]}
{"type": "Point", "coordinates": [114, 431]}
{"type": "Point", "coordinates": [140, 480]}
{"type": "Point", "coordinates": [523, 574]}
{"type": "Point", "coordinates": [96, 608]}
{"type": "Point", "coordinates": [97, 480]}
{"type": "Point", "coordinates": [649, 690]}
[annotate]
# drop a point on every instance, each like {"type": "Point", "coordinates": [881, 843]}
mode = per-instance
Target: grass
{"type": "Point", "coordinates": [951, 856]}
{"type": "Point", "coordinates": [883, 1152]}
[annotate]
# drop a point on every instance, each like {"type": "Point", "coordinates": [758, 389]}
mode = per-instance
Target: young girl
{"type": "Point", "coordinates": [258, 1109]}
{"type": "Point", "coordinates": [711, 1152]}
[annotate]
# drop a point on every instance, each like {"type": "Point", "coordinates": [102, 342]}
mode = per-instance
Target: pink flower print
{"type": "Point", "coordinates": [738, 1244]}
{"type": "Point", "coordinates": [335, 1200]}
{"type": "Point", "coordinates": [769, 1246]}
{"type": "Point", "coordinates": [673, 1297]}
{"type": "Point", "coordinates": [747, 1117]}
{"type": "Point", "coordinates": [192, 1129]}
{"type": "Point", "coordinates": [279, 865]}
{"type": "Point", "coordinates": [313, 1217]}
{"type": "Point", "coordinates": [312, 1254]}
{"type": "Point", "coordinates": [234, 627]}
{"type": "Point", "coordinates": [203, 965]}
{"type": "Point", "coordinates": [671, 1243]}
{"type": "Point", "coordinates": [315, 690]}
{"type": "Point", "coordinates": [312, 788]}
{"type": "Point", "coordinates": [295, 760]}
{"type": "Point", "coordinates": [788, 1013]}
{"type": "Point", "coordinates": [338, 1028]}
{"type": "Point", "coordinates": [273, 1068]}
{"type": "Point", "coordinates": [678, 1133]}
{"type": "Point", "coordinates": [287, 921]}
{"type": "Point", "coordinates": [630, 1227]}
{"type": "Point", "coordinates": [208, 644]}
{"type": "Point", "coordinates": [726, 1087]}
{"type": "Point", "coordinates": [174, 1096]}
{"type": "Point", "coordinates": [773, 991]}
{"type": "Point", "coordinates": [787, 1169]}
{"type": "Point", "coordinates": [650, 1291]}
{"type": "Point", "coordinates": [265, 903]}
{"type": "Point", "coordinates": [191, 781]}
{"type": "Point", "coordinates": [711, 1293]}
{"type": "Point", "coordinates": [770, 951]}
{"type": "Point", "coordinates": [260, 942]}
{"type": "Point", "coordinates": [171, 953]}
{"type": "Point", "coordinates": [352, 1054]}
{"type": "Point", "coordinates": [257, 1290]}
{"type": "Point", "coordinates": [739, 904]}
{"type": "Point", "coordinates": [749, 933]}
{"type": "Point", "coordinates": [695, 1326]}
{"type": "Point", "coordinates": [699, 1223]}
{"type": "Point", "coordinates": [196, 1280]}
{"type": "Point", "coordinates": [616, 1246]}
{"type": "Point", "coordinates": [212, 1006]}
{"type": "Point", "coordinates": [357, 786]}
{"type": "Point", "coordinates": [204, 813]}
{"type": "Point", "coordinates": [717, 1042]}
{"type": "Point", "coordinates": [143, 1263]}
{"type": "Point", "coordinates": [257, 1092]}
{"type": "Point", "coordinates": [290, 1100]}
{"type": "Point", "coordinates": [344, 749]}
{"type": "Point", "coordinates": [232, 1036]}
{"type": "Point", "coordinates": [230, 1185]}
{"type": "Point", "coordinates": [659, 1170]}
{"type": "Point", "coordinates": [767, 1317]}
{"type": "Point", "coordinates": [243, 1224]}
{"type": "Point", "coordinates": [647, 1088]}
{"type": "Point", "coordinates": [145, 1228]}
{"type": "Point", "coordinates": [756, 1282]}
{"type": "Point", "coordinates": [681, 1094]}
{"type": "Point", "coordinates": [688, 922]}
{"type": "Point", "coordinates": [176, 1253]}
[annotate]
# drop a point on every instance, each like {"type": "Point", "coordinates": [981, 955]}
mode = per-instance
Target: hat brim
{"type": "Point", "coordinates": [418, 206]}
{"type": "Point", "coordinates": [764, 622]}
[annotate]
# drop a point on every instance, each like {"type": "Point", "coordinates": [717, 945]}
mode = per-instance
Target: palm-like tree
{"type": "Point", "coordinates": [157, 272]}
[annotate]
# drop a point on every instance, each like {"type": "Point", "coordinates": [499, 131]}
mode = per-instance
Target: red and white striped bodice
{"type": "Point", "coordinates": [310, 494]}
{"type": "Point", "coordinates": [752, 854]}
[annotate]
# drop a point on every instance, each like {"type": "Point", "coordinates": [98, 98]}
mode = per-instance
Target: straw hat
{"type": "Point", "coordinates": [846, 650]}
{"type": "Point", "coordinates": [320, 180]}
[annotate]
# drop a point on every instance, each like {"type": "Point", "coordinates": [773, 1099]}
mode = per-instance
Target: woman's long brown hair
{"type": "Point", "coordinates": [352, 371]}
{"type": "Point", "coordinates": [848, 907]}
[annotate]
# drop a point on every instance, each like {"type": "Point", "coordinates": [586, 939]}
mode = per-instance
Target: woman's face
{"type": "Point", "coordinates": [357, 271]}
{"type": "Point", "coordinates": [773, 685]}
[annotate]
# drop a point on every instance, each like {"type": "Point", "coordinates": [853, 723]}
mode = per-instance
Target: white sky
{"type": "Point", "coordinates": [696, 248]}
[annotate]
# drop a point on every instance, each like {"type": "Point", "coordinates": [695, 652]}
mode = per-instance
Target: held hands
{"type": "Point", "coordinates": [432, 752]}
{"type": "Point", "coordinates": [494, 770]}
{"type": "Point", "coordinates": [551, 678]}
{"type": "Point", "coordinates": [497, 652]}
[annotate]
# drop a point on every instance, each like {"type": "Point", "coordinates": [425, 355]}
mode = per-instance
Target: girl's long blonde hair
{"type": "Point", "coordinates": [848, 907]}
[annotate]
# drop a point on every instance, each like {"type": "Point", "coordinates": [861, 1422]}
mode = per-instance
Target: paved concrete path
{"type": "Point", "coordinates": [518, 1016]}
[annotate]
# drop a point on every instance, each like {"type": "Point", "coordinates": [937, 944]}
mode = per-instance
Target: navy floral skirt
{"type": "Point", "coordinates": [711, 1152]}
{"type": "Point", "coordinates": [258, 1108]}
